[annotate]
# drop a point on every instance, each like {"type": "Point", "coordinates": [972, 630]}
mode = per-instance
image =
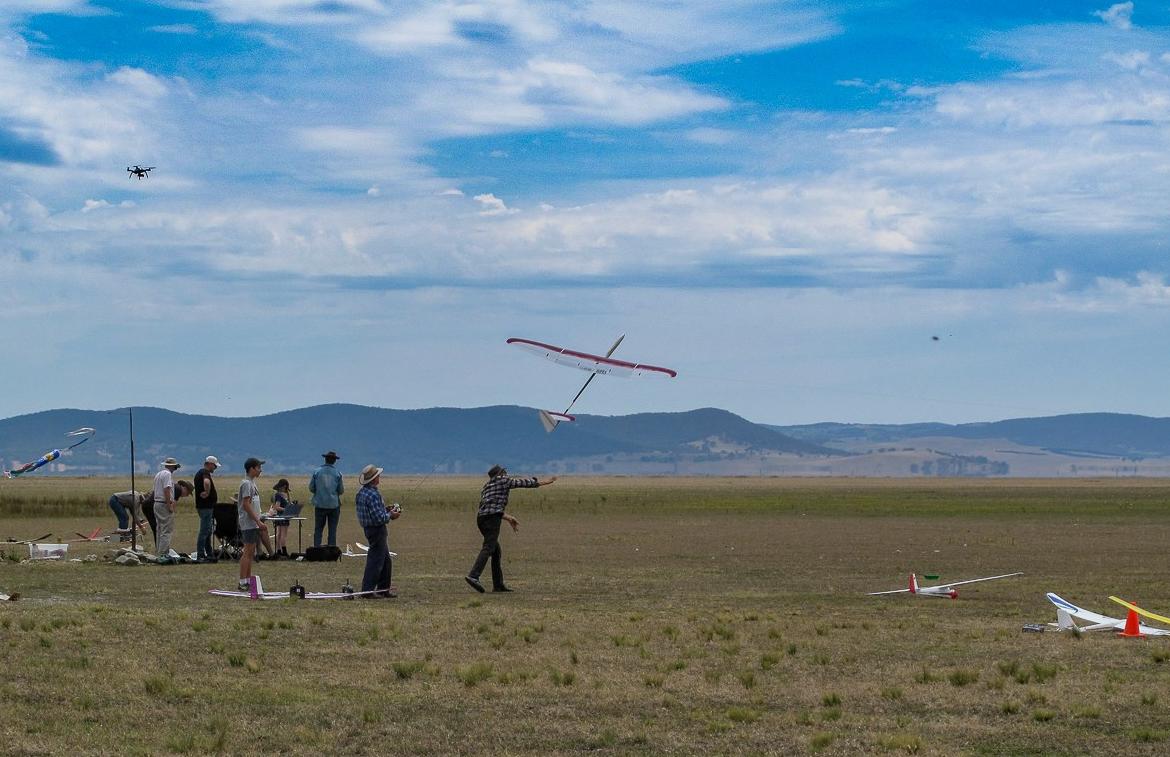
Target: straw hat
{"type": "Point", "coordinates": [369, 473]}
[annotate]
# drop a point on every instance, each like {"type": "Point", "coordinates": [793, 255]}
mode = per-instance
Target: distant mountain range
{"type": "Point", "coordinates": [1097, 434]}
{"type": "Point", "coordinates": [708, 441]}
{"type": "Point", "coordinates": [443, 440]}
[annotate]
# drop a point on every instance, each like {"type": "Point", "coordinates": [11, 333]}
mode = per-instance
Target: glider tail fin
{"type": "Point", "coordinates": [913, 584]}
{"type": "Point", "coordinates": [548, 421]}
{"type": "Point", "coordinates": [1064, 620]}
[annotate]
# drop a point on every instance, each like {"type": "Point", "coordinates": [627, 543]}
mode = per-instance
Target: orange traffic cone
{"type": "Point", "coordinates": [1131, 627]}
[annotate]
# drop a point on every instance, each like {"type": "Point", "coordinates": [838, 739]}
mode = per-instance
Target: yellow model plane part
{"type": "Point", "coordinates": [1140, 611]}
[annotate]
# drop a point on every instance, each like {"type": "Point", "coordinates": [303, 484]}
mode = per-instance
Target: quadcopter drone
{"type": "Point", "coordinates": [140, 172]}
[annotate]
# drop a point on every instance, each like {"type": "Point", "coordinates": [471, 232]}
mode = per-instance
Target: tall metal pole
{"type": "Point", "coordinates": [133, 491]}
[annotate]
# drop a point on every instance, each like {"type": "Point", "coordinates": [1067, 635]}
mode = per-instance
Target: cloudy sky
{"type": "Point", "coordinates": [849, 210]}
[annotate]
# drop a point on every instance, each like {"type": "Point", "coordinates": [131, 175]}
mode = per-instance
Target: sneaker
{"type": "Point", "coordinates": [242, 585]}
{"type": "Point", "coordinates": [500, 588]}
{"type": "Point", "coordinates": [474, 583]}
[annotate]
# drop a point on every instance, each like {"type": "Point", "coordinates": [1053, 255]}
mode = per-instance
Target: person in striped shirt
{"type": "Point", "coordinates": [493, 500]}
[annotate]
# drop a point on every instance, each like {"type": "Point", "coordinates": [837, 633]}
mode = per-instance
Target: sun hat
{"type": "Point", "coordinates": [497, 470]}
{"type": "Point", "coordinates": [171, 462]}
{"type": "Point", "coordinates": [280, 485]}
{"type": "Point", "coordinates": [369, 473]}
{"type": "Point", "coordinates": [213, 460]}
{"type": "Point", "coordinates": [331, 455]}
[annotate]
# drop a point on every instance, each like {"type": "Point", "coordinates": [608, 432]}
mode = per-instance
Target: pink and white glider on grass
{"type": "Point", "coordinates": [593, 364]}
{"type": "Point", "coordinates": [939, 590]}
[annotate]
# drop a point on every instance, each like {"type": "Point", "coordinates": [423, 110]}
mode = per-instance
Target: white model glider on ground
{"type": "Point", "coordinates": [593, 364]}
{"type": "Point", "coordinates": [256, 591]}
{"type": "Point", "coordinates": [364, 551]}
{"type": "Point", "coordinates": [1067, 615]}
{"type": "Point", "coordinates": [939, 590]}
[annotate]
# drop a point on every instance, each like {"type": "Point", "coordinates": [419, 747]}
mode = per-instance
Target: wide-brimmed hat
{"type": "Point", "coordinates": [213, 460]}
{"type": "Point", "coordinates": [496, 470]}
{"type": "Point", "coordinates": [171, 462]}
{"type": "Point", "coordinates": [281, 485]}
{"type": "Point", "coordinates": [331, 455]}
{"type": "Point", "coordinates": [369, 473]}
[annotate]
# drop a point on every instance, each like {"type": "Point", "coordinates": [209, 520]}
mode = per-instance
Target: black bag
{"type": "Point", "coordinates": [323, 553]}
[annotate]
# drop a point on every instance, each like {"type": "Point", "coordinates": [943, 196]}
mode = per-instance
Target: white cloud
{"type": "Point", "coordinates": [711, 136]}
{"type": "Point", "coordinates": [492, 205]}
{"type": "Point", "coordinates": [175, 29]}
{"type": "Point", "coordinates": [1119, 15]}
{"type": "Point", "coordinates": [94, 205]}
{"type": "Point", "coordinates": [1130, 61]}
{"type": "Point", "coordinates": [374, 191]}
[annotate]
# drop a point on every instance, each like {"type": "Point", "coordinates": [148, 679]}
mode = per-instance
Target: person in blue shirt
{"type": "Point", "coordinates": [327, 488]}
{"type": "Point", "coordinates": [373, 515]}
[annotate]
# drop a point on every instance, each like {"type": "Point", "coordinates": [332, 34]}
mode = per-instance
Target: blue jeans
{"type": "Point", "coordinates": [206, 527]}
{"type": "Point", "coordinates": [377, 575]}
{"type": "Point", "coordinates": [321, 516]}
{"type": "Point", "coordinates": [120, 512]}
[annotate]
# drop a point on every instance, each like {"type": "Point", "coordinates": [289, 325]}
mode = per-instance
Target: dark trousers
{"type": "Point", "coordinates": [378, 568]}
{"type": "Point", "coordinates": [489, 526]}
{"type": "Point", "coordinates": [206, 526]}
{"type": "Point", "coordinates": [321, 516]}
{"type": "Point", "coordinates": [148, 512]}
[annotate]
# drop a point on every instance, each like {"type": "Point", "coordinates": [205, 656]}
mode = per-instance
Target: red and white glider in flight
{"type": "Point", "coordinates": [593, 364]}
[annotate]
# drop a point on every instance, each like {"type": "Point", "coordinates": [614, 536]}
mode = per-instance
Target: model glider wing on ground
{"type": "Point", "coordinates": [37, 540]}
{"type": "Point", "coordinates": [939, 590]}
{"type": "Point", "coordinates": [95, 535]}
{"type": "Point", "coordinates": [593, 364]}
{"type": "Point", "coordinates": [1067, 615]}
{"type": "Point", "coordinates": [1140, 611]}
{"type": "Point", "coordinates": [85, 433]}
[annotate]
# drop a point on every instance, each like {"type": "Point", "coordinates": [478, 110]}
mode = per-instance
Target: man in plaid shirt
{"type": "Point", "coordinates": [493, 499]}
{"type": "Point", "coordinates": [373, 515]}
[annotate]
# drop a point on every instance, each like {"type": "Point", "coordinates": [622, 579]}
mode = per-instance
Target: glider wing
{"type": "Point", "coordinates": [1140, 611]}
{"type": "Point", "coordinates": [975, 581]}
{"type": "Point", "coordinates": [591, 363]}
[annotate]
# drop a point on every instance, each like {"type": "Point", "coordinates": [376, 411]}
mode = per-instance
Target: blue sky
{"type": "Point", "coordinates": [360, 200]}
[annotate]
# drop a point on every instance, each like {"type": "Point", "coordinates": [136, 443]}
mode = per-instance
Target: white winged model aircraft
{"type": "Point", "coordinates": [256, 591]}
{"type": "Point", "coordinates": [939, 590]}
{"type": "Point", "coordinates": [594, 364]}
{"type": "Point", "coordinates": [1067, 615]}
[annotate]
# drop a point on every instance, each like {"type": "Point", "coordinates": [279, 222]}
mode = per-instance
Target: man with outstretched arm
{"type": "Point", "coordinates": [493, 499]}
{"type": "Point", "coordinates": [248, 511]}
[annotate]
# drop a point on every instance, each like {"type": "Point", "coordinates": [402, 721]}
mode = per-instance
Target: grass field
{"type": "Point", "coordinates": [651, 615]}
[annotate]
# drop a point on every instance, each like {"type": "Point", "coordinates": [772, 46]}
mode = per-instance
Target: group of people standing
{"type": "Point", "coordinates": [157, 507]}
